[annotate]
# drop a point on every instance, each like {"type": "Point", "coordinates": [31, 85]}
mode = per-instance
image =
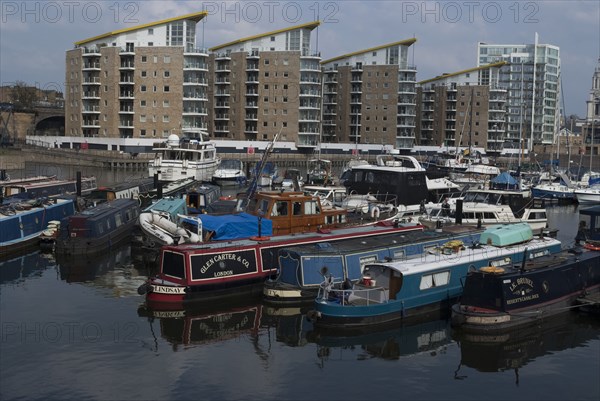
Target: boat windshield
{"type": "Point", "coordinates": [230, 164]}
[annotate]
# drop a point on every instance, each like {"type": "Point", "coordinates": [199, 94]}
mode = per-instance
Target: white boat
{"type": "Point", "coordinates": [176, 159]}
{"type": "Point", "coordinates": [489, 207]}
{"type": "Point", "coordinates": [475, 176]}
{"type": "Point", "coordinates": [588, 195]}
{"type": "Point", "coordinates": [230, 172]}
{"type": "Point", "coordinates": [165, 223]}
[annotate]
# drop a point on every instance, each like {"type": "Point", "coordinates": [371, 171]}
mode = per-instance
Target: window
{"type": "Point", "coordinates": [165, 119]}
{"type": "Point", "coordinates": [166, 88]}
{"type": "Point", "coordinates": [144, 59]}
{"type": "Point", "coordinates": [142, 103]}
{"type": "Point", "coordinates": [143, 73]}
{"type": "Point", "coordinates": [272, 38]}
{"type": "Point", "coordinates": [434, 280]}
{"type": "Point", "coordinates": [150, 43]}
{"type": "Point", "coordinates": [142, 118]}
{"type": "Point", "coordinates": [166, 74]}
{"type": "Point", "coordinates": [143, 88]}
{"type": "Point", "coordinates": [143, 132]}
{"type": "Point", "coordinates": [266, 61]}
{"type": "Point", "coordinates": [166, 103]}
{"type": "Point", "coordinates": [167, 59]}
{"type": "Point", "coordinates": [150, 31]}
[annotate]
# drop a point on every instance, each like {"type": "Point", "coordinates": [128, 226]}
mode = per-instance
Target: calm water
{"type": "Point", "coordinates": [76, 329]}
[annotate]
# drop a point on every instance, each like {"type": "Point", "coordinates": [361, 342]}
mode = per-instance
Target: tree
{"type": "Point", "coordinates": [24, 96]}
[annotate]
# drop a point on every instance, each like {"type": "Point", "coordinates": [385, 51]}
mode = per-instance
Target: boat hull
{"type": "Point", "coordinates": [530, 295]}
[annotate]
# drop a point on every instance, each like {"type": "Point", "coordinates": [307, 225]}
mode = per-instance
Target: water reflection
{"type": "Point", "coordinates": [114, 269]}
{"type": "Point", "coordinates": [22, 267]}
{"type": "Point", "coordinates": [516, 349]}
{"type": "Point", "coordinates": [429, 337]}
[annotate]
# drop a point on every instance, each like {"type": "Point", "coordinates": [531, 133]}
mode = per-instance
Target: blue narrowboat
{"type": "Point", "coordinates": [22, 222]}
{"type": "Point", "coordinates": [302, 268]}
{"type": "Point", "coordinates": [426, 283]}
{"type": "Point", "coordinates": [98, 228]}
{"type": "Point", "coordinates": [524, 294]}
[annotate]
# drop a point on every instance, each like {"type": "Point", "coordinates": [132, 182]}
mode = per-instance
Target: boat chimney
{"type": "Point", "coordinates": [159, 191]}
{"type": "Point", "coordinates": [155, 183]}
{"type": "Point", "coordinates": [524, 260]}
{"type": "Point", "coordinates": [78, 184]}
{"type": "Point", "coordinates": [459, 210]}
{"type": "Point", "coordinates": [3, 176]}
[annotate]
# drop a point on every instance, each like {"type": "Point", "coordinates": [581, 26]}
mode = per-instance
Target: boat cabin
{"type": "Point", "coordinates": [589, 224]}
{"type": "Point", "coordinates": [295, 212]}
{"type": "Point", "coordinates": [98, 221]}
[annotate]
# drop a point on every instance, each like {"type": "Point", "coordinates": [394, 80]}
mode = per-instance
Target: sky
{"type": "Point", "coordinates": [34, 35]}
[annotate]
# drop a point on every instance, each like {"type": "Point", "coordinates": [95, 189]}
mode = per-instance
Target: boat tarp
{"type": "Point", "coordinates": [504, 178]}
{"type": "Point", "coordinates": [235, 226]}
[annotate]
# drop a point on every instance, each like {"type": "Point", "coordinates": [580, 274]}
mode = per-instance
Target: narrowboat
{"type": "Point", "coordinates": [22, 222]}
{"type": "Point", "coordinates": [426, 283]}
{"type": "Point", "coordinates": [200, 197]}
{"type": "Point", "coordinates": [302, 267]}
{"type": "Point", "coordinates": [226, 268]}
{"type": "Point", "coordinates": [98, 228]}
{"type": "Point", "coordinates": [496, 299]}
{"type": "Point", "coordinates": [38, 187]}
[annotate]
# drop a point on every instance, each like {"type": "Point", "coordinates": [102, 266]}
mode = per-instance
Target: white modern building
{"type": "Point", "coordinates": [532, 77]}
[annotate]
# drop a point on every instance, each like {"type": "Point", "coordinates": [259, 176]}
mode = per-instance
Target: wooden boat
{"type": "Point", "coordinates": [496, 299]}
{"type": "Point", "coordinates": [22, 222]}
{"type": "Point", "coordinates": [428, 283]}
{"type": "Point", "coordinates": [186, 158]}
{"type": "Point", "coordinates": [302, 267]}
{"type": "Point", "coordinates": [98, 228]}
{"type": "Point", "coordinates": [230, 268]}
{"type": "Point", "coordinates": [199, 197]}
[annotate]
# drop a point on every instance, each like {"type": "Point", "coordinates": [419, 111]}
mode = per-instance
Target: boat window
{"type": "Point", "coordinates": [264, 205]}
{"type": "Point", "coordinates": [108, 225]}
{"type": "Point", "coordinates": [297, 208]}
{"type": "Point", "coordinates": [500, 262]}
{"type": "Point", "coordinates": [370, 177]}
{"type": "Point", "coordinates": [435, 280]}
{"type": "Point", "coordinates": [311, 207]}
{"type": "Point", "coordinates": [173, 264]}
{"type": "Point", "coordinates": [488, 215]}
{"type": "Point", "coordinates": [118, 220]}
{"type": "Point", "coordinates": [365, 260]}
{"type": "Point", "coordinates": [399, 254]}
{"type": "Point", "coordinates": [100, 228]}
{"type": "Point", "coordinates": [280, 209]}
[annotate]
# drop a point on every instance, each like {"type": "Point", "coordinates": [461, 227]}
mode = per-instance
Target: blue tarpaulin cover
{"type": "Point", "coordinates": [235, 226]}
{"type": "Point", "coordinates": [504, 178]}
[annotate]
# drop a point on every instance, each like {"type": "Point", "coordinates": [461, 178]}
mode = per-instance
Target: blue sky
{"type": "Point", "coordinates": [34, 35]}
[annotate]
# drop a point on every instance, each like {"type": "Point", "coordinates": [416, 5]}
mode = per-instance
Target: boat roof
{"type": "Point", "coordinates": [419, 264]}
{"type": "Point", "coordinates": [106, 208]}
{"type": "Point", "coordinates": [292, 239]}
{"type": "Point", "coordinates": [591, 211]}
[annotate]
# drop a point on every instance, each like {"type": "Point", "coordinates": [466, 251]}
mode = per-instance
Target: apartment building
{"type": "Point", "coordinates": [369, 96]}
{"type": "Point", "coordinates": [532, 77]}
{"type": "Point", "coordinates": [464, 108]}
{"type": "Point", "coordinates": [267, 84]}
{"type": "Point", "coordinates": [145, 81]}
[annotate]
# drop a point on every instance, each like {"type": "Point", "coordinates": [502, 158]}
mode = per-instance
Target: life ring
{"type": "Point", "coordinates": [592, 246]}
{"type": "Point", "coordinates": [492, 269]}
{"type": "Point", "coordinates": [375, 212]}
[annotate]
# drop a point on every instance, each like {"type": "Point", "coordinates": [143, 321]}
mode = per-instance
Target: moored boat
{"type": "Point", "coordinates": [230, 172]}
{"type": "Point", "coordinates": [428, 283]}
{"type": "Point", "coordinates": [165, 223]}
{"type": "Point", "coordinates": [228, 268]}
{"type": "Point", "coordinates": [22, 222]}
{"type": "Point", "coordinates": [302, 268]}
{"type": "Point", "coordinates": [184, 158]}
{"type": "Point", "coordinates": [497, 299]}
{"type": "Point", "coordinates": [99, 228]}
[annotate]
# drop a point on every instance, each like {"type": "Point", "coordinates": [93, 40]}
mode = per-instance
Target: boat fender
{"type": "Point", "coordinates": [143, 289]}
{"type": "Point", "coordinates": [375, 212]}
{"type": "Point", "coordinates": [492, 269]}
